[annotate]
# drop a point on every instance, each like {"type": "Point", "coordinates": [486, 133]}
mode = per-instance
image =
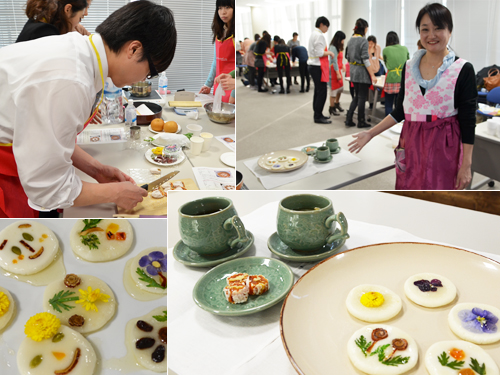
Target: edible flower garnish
{"type": "Point", "coordinates": [42, 326]}
{"type": "Point", "coordinates": [478, 320]}
{"type": "Point", "coordinates": [90, 297]}
{"type": "Point", "coordinates": [4, 303]}
{"type": "Point", "coordinates": [372, 299]}
{"type": "Point", "coordinates": [155, 263]}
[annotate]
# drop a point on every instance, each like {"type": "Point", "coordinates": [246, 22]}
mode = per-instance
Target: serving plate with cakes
{"type": "Point", "coordinates": [432, 289]}
{"type": "Point", "coordinates": [216, 293]}
{"type": "Point", "coordinates": [282, 161]}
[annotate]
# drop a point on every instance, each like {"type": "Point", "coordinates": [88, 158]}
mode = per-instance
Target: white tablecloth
{"type": "Point", "coordinates": [203, 343]}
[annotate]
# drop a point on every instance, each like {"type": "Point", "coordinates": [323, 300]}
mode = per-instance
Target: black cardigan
{"type": "Point", "coordinates": [465, 101]}
{"type": "Point", "coordinates": [34, 30]}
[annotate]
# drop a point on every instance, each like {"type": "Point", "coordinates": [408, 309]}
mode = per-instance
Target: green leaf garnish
{"type": "Point", "coordinates": [146, 278]}
{"type": "Point", "coordinates": [90, 223]}
{"type": "Point", "coordinates": [161, 318]}
{"type": "Point", "coordinates": [363, 345]}
{"type": "Point", "coordinates": [149, 139]}
{"type": "Point", "coordinates": [90, 240]}
{"type": "Point", "coordinates": [481, 370]}
{"type": "Point", "coordinates": [396, 361]}
{"type": "Point", "coordinates": [380, 351]}
{"type": "Point", "coordinates": [188, 135]}
{"type": "Point", "coordinates": [455, 365]}
{"type": "Point", "coordinates": [60, 298]}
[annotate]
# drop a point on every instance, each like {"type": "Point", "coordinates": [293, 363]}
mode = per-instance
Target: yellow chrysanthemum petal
{"type": "Point", "coordinates": [90, 297]}
{"type": "Point", "coordinates": [42, 326]}
{"type": "Point", "coordinates": [4, 303]}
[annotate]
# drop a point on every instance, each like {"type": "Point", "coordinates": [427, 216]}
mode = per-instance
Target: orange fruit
{"type": "Point", "coordinates": [170, 127]}
{"type": "Point", "coordinates": [157, 124]}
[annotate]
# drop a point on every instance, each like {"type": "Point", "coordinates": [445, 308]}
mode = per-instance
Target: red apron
{"type": "Point", "coordinates": [225, 62]}
{"type": "Point", "coordinates": [325, 68]}
{"type": "Point", "coordinates": [337, 83]}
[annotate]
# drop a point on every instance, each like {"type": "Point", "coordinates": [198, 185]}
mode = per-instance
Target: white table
{"type": "Point", "coordinates": [117, 156]}
{"type": "Point", "coordinates": [376, 157]}
{"type": "Point", "coordinates": [430, 221]}
{"type": "Point", "coordinates": [486, 155]}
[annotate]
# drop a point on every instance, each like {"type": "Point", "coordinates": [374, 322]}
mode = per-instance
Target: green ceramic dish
{"type": "Point", "coordinates": [208, 291]}
{"type": "Point", "coordinates": [323, 161]}
{"type": "Point", "coordinates": [310, 152]}
{"type": "Point", "coordinates": [184, 255]}
{"type": "Point", "coordinates": [279, 248]}
{"type": "Point", "coordinates": [336, 151]}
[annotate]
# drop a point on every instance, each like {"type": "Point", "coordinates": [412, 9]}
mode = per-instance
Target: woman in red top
{"type": "Point", "coordinates": [224, 51]}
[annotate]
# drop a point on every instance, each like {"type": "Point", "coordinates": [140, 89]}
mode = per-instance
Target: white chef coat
{"type": "Point", "coordinates": [49, 88]}
{"type": "Point", "coordinates": [317, 45]}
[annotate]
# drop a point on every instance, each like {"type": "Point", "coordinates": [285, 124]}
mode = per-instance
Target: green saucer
{"type": "Point", "coordinates": [311, 152]}
{"type": "Point", "coordinates": [279, 248]}
{"type": "Point", "coordinates": [336, 151]}
{"type": "Point", "coordinates": [209, 295]}
{"type": "Point", "coordinates": [323, 161]}
{"type": "Point", "coordinates": [185, 255]}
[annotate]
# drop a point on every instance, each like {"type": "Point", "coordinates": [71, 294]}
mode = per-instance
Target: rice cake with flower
{"type": "Point", "coordinates": [27, 247]}
{"type": "Point", "coordinates": [80, 296]}
{"type": "Point", "coordinates": [51, 348]}
{"type": "Point", "coordinates": [7, 308]}
{"type": "Point", "coordinates": [475, 322]}
{"type": "Point", "coordinates": [101, 240]}
{"type": "Point", "coordinates": [149, 270]}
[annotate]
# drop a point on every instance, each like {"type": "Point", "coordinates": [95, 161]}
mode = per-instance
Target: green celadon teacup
{"type": "Point", "coordinates": [307, 222]}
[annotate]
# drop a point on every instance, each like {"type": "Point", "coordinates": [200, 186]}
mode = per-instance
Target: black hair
{"type": "Point", "coordinates": [439, 15]}
{"type": "Point", "coordinates": [391, 39]}
{"type": "Point", "coordinates": [360, 26]}
{"type": "Point", "coordinates": [337, 40]}
{"type": "Point", "coordinates": [256, 37]}
{"type": "Point", "coordinates": [266, 38]}
{"type": "Point", "coordinates": [218, 24]}
{"type": "Point", "coordinates": [322, 20]}
{"type": "Point", "coordinates": [133, 22]}
{"type": "Point", "coordinates": [276, 39]}
{"type": "Point", "coordinates": [282, 41]}
{"type": "Point", "coordinates": [295, 34]}
{"type": "Point", "coordinates": [372, 38]}
{"type": "Point", "coordinates": [52, 12]}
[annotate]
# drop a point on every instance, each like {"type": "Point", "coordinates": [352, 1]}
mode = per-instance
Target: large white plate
{"type": "Point", "coordinates": [179, 128]}
{"type": "Point", "coordinates": [301, 156]}
{"type": "Point", "coordinates": [179, 160]}
{"type": "Point", "coordinates": [109, 342]}
{"type": "Point", "coordinates": [315, 324]}
{"type": "Point", "coordinates": [228, 158]}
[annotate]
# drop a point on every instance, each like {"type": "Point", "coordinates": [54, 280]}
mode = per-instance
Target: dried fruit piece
{"type": "Point", "coordinates": [436, 282]}
{"type": "Point", "coordinates": [58, 337]}
{"type": "Point", "coordinates": [59, 355]}
{"type": "Point", "coordinates": [3, 244]}
{"type": "Point", "coordinates": [144, 326]}
{"type": "Point", "coordinates": [110, 236]}
{"type": "Point", "coordinates": [34, 256]}
{"type": "Point", "coordinates": [466, 371]}
{"type": "Point", "coordinates": [36, 361]}
{"type": "Point", "coordinates": [71, 280]}
{"type": "Point", "coordinates": [24, 226]}
{"type": "Point", "coordinates": [121, 236]}
{"type": "Point", "coordinates": [163, 334]}
{"type": "Point", "coordinates": [159, 354]}
{"type": "Point", "coordinates": [96, 229]}
{"type": "Point", "coordinates": [377, 335]}
{"type": "Point", "coordinates": [72, 365]}
{"type": "Point", "coordinates": [145, 343]}
{"type": "Point", "coordinates": [16, 250]}
{"type": "Point", "coordinates": [27, 246]}
{"type": "Point", "coordinates": [426, 285]}
{"type": "Point", "coordinates": [76, 321]}
{"type": "Point", "coordinates": [28, 237]}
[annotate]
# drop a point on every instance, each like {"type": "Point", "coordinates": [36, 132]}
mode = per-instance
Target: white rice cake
{"type": "Point", "coordinates": [94, 320]}
{"type": "Point", "coordinates": [7, 315]}
{"type": "Point", "coordinates": [107, 249]}
{"type": "Point", "coordinates": [145, 356]}
{"type": "Point", "coordinates": [28, 247]}
{"type": "Point", "coordinates": [135, 276]}
{"type": "Point", "coordinates": [68, 347]}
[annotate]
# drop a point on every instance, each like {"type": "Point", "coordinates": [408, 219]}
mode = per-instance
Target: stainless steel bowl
{"type": "Point", "coordinates": [224, 117]}
{"type": "Point", "coordinates": [141, 89]}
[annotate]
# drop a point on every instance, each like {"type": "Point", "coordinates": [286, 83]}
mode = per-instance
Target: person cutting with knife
{"type": "Point", "coordinates": [51, 87]}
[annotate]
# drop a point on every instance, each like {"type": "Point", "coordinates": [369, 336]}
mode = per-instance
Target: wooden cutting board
{"type": "Point", "coordinates": [152, 206]}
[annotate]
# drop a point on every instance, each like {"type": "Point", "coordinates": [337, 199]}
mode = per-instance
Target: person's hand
{"type": "Point", "coordinates": [464, 177]}
{"type": "Point", "coordinates": [361, 140]}
{"type": "Point", "coordinates": [127, 194]}
{"type": "Point", "coordinates": [82, 30]}
{"type": "Point", "coordinates": [232, 100]}
{"type": "Point", "coordinates": [339, 76]}
{"type": "Point", "coordinates": [227, 82]}
{"type": "Point", "coordinates": [97, 118]}
{"type": "Point", "coordinates": [374, 80]}
{"type": "Point", "coordinates": [107, 173]}
{"type": "Point", "coordinates": [330, 53]}
{"type": "Point", "coordinates": [204, 90]}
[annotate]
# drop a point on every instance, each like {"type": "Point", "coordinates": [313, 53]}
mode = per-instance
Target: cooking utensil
{"type": "Point", "coordinates": [153, 185]}
{"type": "Point", "coordinates": [140, 89]}
{"type": "Point", "coordinates": [225, 117]}
{"type": "Point", "coordinates": [146, 119]}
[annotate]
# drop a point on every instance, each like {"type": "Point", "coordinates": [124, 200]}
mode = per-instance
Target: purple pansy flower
{"type": "Point", "coordinates": [154, 262]}
{"type": "Point", "coordinates": [478, 320]}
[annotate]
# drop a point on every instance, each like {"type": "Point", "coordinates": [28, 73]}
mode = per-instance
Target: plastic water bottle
{"type": "Point", "coordinates": [163, 84]}
{"type": "Point", "coordinates": [112, 108]}
{"type": "Point", "coordinates": [130, 117]}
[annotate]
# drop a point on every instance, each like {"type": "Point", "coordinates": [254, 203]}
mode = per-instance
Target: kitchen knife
{"type": "Point", "coordinates": [153, 185]}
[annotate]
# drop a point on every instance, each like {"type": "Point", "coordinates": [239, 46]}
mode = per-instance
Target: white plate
{"type": "Point", "coordinates": [179, 160]}
{"type": "Point", "coordinates": [315, 325]}
{"type": "Point", "coordinates": [229, 158]}
{"type": "Point", "coordinates": [109, 342]}
{"type": "Point", "coordinates": [396, 128]}
{"type": "Point", "coordinates": [299, 155]}
{"type": "Point", "coordinates": [154, 131]}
